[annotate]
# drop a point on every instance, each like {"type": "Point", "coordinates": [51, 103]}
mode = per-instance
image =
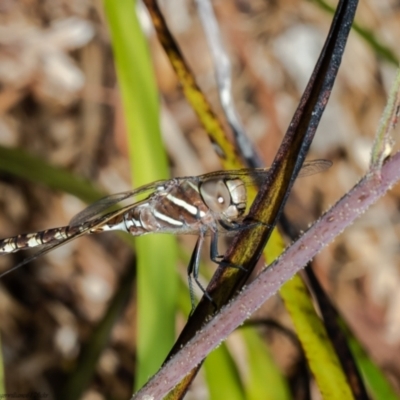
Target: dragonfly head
{"type": "Point", "coordinates": [226, 197]}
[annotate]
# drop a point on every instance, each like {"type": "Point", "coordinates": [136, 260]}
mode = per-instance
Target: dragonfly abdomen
{"type": "Point", "coordinates": [30, 240]}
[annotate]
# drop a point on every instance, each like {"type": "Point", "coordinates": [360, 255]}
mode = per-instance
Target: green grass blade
{"type": "Point", "coordinates": [369, 36]}
{"type": "Point", "coordinates": [376, 380]}
{"type": "Point", "coordinates": [19, 163]}
{"type": "Point", "coordinates": [156, 254]}
{"type": "Point", "coordinates": [264, 380]}
{"type": "Point", "coordinates": [222, 375]}
{"type": "Point", "coordinates": [321, 356]}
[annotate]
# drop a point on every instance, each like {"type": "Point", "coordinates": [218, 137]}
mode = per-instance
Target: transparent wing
{"type": "Point", "coordinates": [98, 208]}
{"type": "Point", "coordinates": [249, 176]}
{"type": "Point", "coordinates": [314, 167]}
{"type": "Point", "coordinates": [255, 176]}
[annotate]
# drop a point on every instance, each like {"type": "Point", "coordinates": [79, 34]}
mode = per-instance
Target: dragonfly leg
{"type": "Point", "coordinates": [217, 258]}
{"type": "Point", "coordinates": [193, 272]}
{"type": "Point", "coordinates": [236, 226]}
{"type": "Point", "coordinates": [214, 253]}
{"type": "Point", "coordinates": [230, 226]}
{"type": "Point", "coordinates": [252, 223]}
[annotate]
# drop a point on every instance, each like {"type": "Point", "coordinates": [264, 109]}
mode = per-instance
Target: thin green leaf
{"type": "Point", "coordinates": [319, 351]}
{"type": "Point", "coordinates": [222, 376]}
{"type": "Point", "coordinates": [337, 337]}
{"type": "Point", "coordinates": [20, 163]}
{"type": "Point", "coordinates": [264, 379]}
{"type": "Point", "coordinates": [369, 36]}
{"type": "Point", "coordinates": [377, 382]}
{"type": "Point", "coordinates": [156, 255]}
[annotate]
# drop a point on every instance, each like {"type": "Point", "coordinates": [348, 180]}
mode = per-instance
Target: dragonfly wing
{"type": "Point", "coordinates": [98, 208]}
{"type": "Point", "coordinates": [255, 176]}
{"type": "Point", "coordinates": [249, 176]}
{"type": "Point", "coordinates": [314, 167]}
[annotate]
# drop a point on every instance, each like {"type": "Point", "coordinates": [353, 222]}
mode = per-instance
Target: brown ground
{"type": "Point", "coordinates": [49, 308]}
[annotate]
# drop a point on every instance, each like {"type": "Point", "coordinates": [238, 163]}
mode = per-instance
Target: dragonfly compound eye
{"type": "Point", "coordinates": [216, 195]}
{"type": "Point", "coordinates": [237, 199]}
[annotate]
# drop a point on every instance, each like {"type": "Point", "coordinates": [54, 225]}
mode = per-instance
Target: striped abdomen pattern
{"type": "Point", "coordinates": [29, 240]}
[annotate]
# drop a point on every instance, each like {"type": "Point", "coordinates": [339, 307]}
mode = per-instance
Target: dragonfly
{"type": "Point", "coordinates": [212, 204]}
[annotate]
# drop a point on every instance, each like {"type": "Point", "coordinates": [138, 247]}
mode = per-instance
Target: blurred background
{"type": "Point", "coordinates": [59, 101]}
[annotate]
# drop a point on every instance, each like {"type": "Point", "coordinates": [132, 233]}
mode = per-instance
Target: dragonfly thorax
{"type": "Point", "coordinates": [226, 197]}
